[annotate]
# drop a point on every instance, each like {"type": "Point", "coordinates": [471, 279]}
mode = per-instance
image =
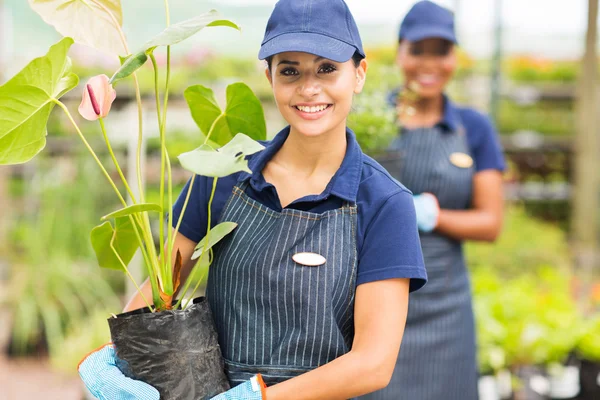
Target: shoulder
{"type": "Point", "coordinates": [379, 192]}
{"type": "Point", "coordinates": [478, 126]}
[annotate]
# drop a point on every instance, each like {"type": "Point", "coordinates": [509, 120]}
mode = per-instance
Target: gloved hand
{"type": "Point", "coordinates": [254, 389]}
{"type": "Point", "coordinates": [105, 381]}
{"type": "Point", "coordinates": [428, 211]}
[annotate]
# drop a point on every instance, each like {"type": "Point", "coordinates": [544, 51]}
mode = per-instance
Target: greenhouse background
{"type": "Point", "coordinates": [536, 290]}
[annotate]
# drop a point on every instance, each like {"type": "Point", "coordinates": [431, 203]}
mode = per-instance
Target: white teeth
{"type": "Point", "coordinates": [313, 109]}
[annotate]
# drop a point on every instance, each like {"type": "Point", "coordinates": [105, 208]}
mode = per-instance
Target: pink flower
{"type": "Point", "coordinates": [98, 96]}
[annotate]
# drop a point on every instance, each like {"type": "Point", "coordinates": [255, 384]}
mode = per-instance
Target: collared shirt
{"type": "Point", "coordinates": [387, 239]}
{"type": "Point", "coordinates": [482, 139]}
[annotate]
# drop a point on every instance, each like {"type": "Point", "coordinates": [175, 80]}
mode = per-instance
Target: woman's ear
{"type": "Point", "coordinates": [400, 53]}
{"type": "Point", "coordinates": [269, 76]}
{"type": "Point", "coordinates": [361, 76]}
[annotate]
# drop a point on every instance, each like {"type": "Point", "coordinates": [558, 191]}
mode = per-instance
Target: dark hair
{"type": "Point", "coordinates": [356, 58]}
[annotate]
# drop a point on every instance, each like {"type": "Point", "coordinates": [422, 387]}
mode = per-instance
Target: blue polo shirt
{"type": "Point", "coordinates": [482, 139]}
{"type": "Point", "coordinates": [387, 239]}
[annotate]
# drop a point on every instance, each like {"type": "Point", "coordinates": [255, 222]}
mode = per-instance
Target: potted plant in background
{"type": "Point", "coordinates": [168, 335]}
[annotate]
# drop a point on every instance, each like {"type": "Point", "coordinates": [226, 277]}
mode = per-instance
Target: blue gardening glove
{"type": "Point", "coordinates": [428, 211]}
{"type": "Point", "coordinates": [254, 389]}
{"type": "Point", "coordinates": [105, 381]}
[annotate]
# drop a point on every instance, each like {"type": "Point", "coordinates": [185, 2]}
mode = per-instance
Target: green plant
{"type": "Point", "coordinates": [589, 342]}
{"type": "Point", "coordinates": [525, 244]}
{"type": "Point", "coordinates": [548, 118]}
{"type": "Point", "coordinates": [53, 284]}
{"type": "Point", "coordinates": [30, 96]}
{"type": "Point", "coordinates": [373, 121]}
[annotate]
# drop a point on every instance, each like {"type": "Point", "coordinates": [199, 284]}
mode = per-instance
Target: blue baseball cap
{"type": "Point", "coordinates": [427, 20]}
{"type": "Point", "coordinates": [324, 28]}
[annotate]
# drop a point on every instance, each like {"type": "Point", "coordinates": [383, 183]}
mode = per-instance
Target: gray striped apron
{"type": "Point", "coordinates": [274, 316]}
{"type": "Point", "coordinates": [437, 358]}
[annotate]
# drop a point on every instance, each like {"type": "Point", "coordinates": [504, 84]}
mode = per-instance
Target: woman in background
{"type": "Point", "coordinates": [453, 163]}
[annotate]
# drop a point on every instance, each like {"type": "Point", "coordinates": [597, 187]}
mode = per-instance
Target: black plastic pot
{"type": "Point", "coordinates": [175, 351]}
{"type": "Point", "coordinates": [589, 375]}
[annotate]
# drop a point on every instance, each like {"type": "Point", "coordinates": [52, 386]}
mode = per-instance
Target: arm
{"type": "Point", "coordinates": [186, 248]}
{"type": "Point", "coordinates": [379, 318]}
{"type": "Point", "coordinates": [484, 220]}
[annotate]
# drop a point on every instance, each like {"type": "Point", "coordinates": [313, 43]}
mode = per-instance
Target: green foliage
{"type": "Point", "coordinates": [525, 312]}
{"type": "Point", "coordinates": [27, 99]}
{"type": "Point", "coordinates": [180, 31]}
{"type": "Point", "coordinates": [228, 160]}
{"type": "Point", "coordinates": [243, 113]}
{"type": "Point", "coordinates": [529, 69]}
{"type": "Point", "coordinates": [373, 121]}
{"type": "Point", "coordinates": [589, 344]}
{"type": "Point", "coordinates": [548, 118]}
{"type": "Point", "coordinates": [525, 244]}
{"type": "Point", "coordinates": [94, 23]}
{"type": "Point", "coordinates": [528, 319]}
{"type": "Point", "coordinates": [53, 281]}
{"type": "Point", "coordinates": [217, 233]}
{"type": "Point", "coordinates": [115, 246]}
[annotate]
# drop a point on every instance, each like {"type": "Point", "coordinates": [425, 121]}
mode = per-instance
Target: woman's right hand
{"type": "Point", "coordinates": [105, 381]}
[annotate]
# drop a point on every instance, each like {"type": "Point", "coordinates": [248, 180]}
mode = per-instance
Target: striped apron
{"type": "Point", "coordinates": [437, 358]}
{"type": "Point", "coordinates": [274, 316]}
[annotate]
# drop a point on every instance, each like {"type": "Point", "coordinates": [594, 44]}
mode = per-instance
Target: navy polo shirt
{"type": "Point", "coordinates": [482, 139]}
{"type": "Point", "coordinates": [388, 244]}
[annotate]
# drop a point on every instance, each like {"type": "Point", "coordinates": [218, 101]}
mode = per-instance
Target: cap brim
{"type": "Point", "coordinates": [312, 43]}
{"type": "Point", "coordinates": [430, 33]}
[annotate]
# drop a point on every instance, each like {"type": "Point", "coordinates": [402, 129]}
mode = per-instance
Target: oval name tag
{"type": "Point", "coordinates": [461, 160]}
{"type": "Point", "coordinates": [309, 259]}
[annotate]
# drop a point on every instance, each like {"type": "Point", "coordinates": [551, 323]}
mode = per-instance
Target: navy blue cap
{"type": "Point", "coordinates": [427, 20]}
{"type": "Point", "coordinates": [324, 28]}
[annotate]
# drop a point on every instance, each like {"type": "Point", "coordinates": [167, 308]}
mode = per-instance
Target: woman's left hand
{"type": "Point", "coordinates": [254, 389]}
{"type": "Point", "coordinates": [428, 211]}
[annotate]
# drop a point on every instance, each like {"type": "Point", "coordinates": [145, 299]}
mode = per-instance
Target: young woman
{"type": "Point", "coordinates": [312, 332]}
{"type": "Point", "coordinates": [452, 162]}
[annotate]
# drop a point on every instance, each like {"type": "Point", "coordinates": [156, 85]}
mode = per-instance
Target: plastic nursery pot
{"type": "Point", "coordinates": [589, 375]}
{"type": "Point", "coordinates": [175, 351]}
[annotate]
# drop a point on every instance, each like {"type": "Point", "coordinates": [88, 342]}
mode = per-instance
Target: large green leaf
{"type": "Point", "coordinates": [123, 240]}
{"type": "Point", "coordinates": [217, 233]}
{"type": "Point", "coordinates": [27, 100]}
{"type": "Point", "coordinates": [87, 21]}
{"type": "Point", "coordinates": [243, 113]}
{"type": "Point", "coordinates": [183, 30]}
{"type": "Point", "coordinates": [136, 208]}
{"type": "Point", "coordinates": [229, 159]}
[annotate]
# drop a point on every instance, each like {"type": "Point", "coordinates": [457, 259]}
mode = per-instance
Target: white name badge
{"type": "Point", "coordinates": [309, 259]}
{"type": "Point", "coordinates": [461, 160]}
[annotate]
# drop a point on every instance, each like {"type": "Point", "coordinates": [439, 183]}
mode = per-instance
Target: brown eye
{"type": "Point", "coordinates": [416, 49]}
{"type": "Point", "coordinates": [327, 68]}
{"type": "Point", "coordinates": [443, 49]}
{"type": "Point", "coordinates": [288, 72]}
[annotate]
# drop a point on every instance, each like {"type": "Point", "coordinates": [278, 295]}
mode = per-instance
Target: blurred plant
{"type": "Point", "coordinates": [373, 121]}
{"type": "Point", "coordinates": [90, 333]}
{"type": "Point", "coordinates": [588, 347]}
{"type": "Point", "coordinates": [536, 69]}
{"type": "Point", "coordinates": [545, 117]}
{"type": "Point", "coordinates": [526, 244]}
{"type": "Point", "coordinates": [53, 282]}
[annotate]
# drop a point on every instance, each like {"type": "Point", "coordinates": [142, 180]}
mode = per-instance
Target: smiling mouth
{"type": "Point", "coordinates": [312, 109]}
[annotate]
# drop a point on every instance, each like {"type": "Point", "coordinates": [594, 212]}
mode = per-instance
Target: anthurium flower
{"type": "Point", "coordinates": [98, 96]}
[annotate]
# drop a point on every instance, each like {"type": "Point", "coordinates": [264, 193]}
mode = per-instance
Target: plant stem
{"type": "Point", "coordinates": [138, 97]}
{"type": "Point", "coordinates": [208, 230]}
{"type": "Point", "coordinates": [128, 273]}
{"type": "Point", "coordinates": [87, 145]}
{"type": "Point", "coordinates": [212, 127]}
{"type": "Point", "coordinates": [163, 126]}
{"type": "Point", "coordinates": [161, 222]}
{"type": "Point", "coordinates": [115, 161]}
